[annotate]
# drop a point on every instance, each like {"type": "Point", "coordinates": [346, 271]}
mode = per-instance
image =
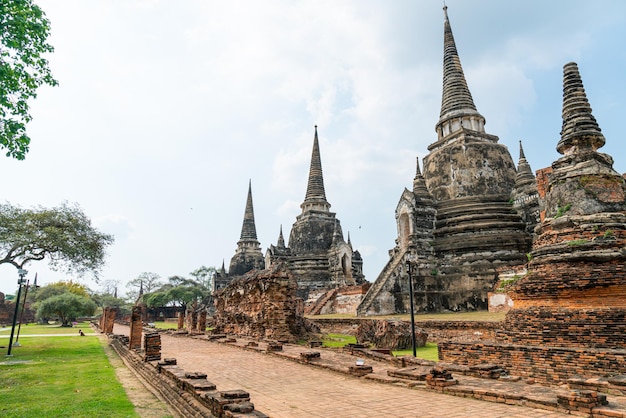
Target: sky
{"type": "Point", "coordinates": [166, 110]}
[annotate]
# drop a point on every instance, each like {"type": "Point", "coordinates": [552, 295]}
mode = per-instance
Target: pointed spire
{"type": "Point", "coordinates": [419, 183]}
{"type": "Point", "coordinates": [349, 242]}
{"type": "Point", "coordinates": [281, 239]}
{"type": "Point", "coordinates": [223, 269]}
{"type": "Point", "coordinates": [456, 99]}
{"type": "Point", "coordinates": [524, 172]}
{"type": "Point", "coordinates": [248, 229]}
{"type": "Point", "coordinates": [580, 130]}
{"type": "Point", "coordinates": [315, 194]}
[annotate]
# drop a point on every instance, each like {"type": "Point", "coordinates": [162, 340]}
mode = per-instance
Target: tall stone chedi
{"type": "Point", "coordinates": [568, 322]}
{"type": "Point", "coordinates": [248, 255]}
{"type": "Point", "coordinates": [317, 253]}
{"type": "Point", "coordinates": [577, 277]}
{"type": "Point", "coordinates": [457, 225]}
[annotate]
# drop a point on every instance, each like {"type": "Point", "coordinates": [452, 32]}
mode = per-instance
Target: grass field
{"type": "Point", "coordinates": [37, 329]}
{"type": "Point", "coordinates": [428, 352]}
{"type": "Point", "coordinates": [60, 377]}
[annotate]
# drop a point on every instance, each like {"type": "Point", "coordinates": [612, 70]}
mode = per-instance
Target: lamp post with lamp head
{"type": "Point", "coordinates": [22, 273]}
{"type": "Point", "coordinates": [408, 265]}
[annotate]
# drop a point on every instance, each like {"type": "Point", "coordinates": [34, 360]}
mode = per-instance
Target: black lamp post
{"type": "Point", "coordinates": [22, 273]}
{"type": "Point", "coordinates": [408, 264]}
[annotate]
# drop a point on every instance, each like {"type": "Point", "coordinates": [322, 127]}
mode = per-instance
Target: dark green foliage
{"type": "Point", "coordinates": [63, 234]}
{"type": "Point", "coordinates": [24, 30]}
{"type": "Point", "coordinates": [67, 306]}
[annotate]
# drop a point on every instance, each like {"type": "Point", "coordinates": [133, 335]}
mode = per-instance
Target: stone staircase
{"type": "Point", "coordinates": [380, 282]}
{"type": "Point", "coordinates": [319, 304]}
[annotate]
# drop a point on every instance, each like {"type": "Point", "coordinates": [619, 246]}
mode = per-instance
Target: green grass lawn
{"type": "Point", "coordinates": [60, 377]}
{"type": "Point", "coordinates": [428, 352]}
{"type": "Point", "coordinates": [34, 329]}
{"type": "Point", "coordinates": [166, 325]}
{"type": "Point", "coordinates": [337, 340]}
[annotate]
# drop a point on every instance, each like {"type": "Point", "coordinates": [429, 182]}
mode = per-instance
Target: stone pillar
{"type": "Point", "coordinates": [136, 326]}
{"type": "Point", "coordinates": [108, 320]}
{"type": "Point", "coordinates": [193, 323]}
{"type": "Point", "coordinates": [181, 320]}
{"type": "Point", "coordinates": [152, 347]}
{"type": "Point", "coordinates": [202, 322]}
{"type": "Point", "coordinates": [103, 319]}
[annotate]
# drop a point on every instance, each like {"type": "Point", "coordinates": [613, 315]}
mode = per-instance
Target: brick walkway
{"type": "Point", "coordinates": [282, 388]}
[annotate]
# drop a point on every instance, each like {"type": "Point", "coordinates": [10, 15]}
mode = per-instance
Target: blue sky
{"type": "Point", "coordinates": [165, 111]}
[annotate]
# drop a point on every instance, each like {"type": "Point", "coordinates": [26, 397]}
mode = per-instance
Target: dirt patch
{"type": "Point", "coordinates": [147, 403]}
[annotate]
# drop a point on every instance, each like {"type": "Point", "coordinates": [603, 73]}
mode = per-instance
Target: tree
{"type": "Point", "coordinates": [147, 282]}
{"type": "Point", "coordinates": [204, 276]}
{"type": "Point", "coordinates": [63, 234]}
{"type": "Point", "coordinates": [24, 30]}
{"type": "Point", "coordinates": [58, 288]}
{"type": "Point", "coordinates": [180, 291]}
{"type": "Point", "coordinates": [67, 306]}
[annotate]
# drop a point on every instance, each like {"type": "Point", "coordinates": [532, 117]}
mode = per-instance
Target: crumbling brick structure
{"type": "Point", "coordinates": [136, 328]}
{"type": "Point", "coordinates": [107, 320]}
{"type": "Point", "coordinates": [261, 304]}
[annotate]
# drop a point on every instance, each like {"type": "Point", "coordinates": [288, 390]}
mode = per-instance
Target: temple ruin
{"type": "Point", "coordinates": [248, 255]}
{"type": "Point", "coordinates": [317, 254]}
{"type": "Point", "coordinates": [261, 304]}
{"type": "Point", "coordinates": [569, 310]}
{"type": "Point", "coordinates": [469, 213]}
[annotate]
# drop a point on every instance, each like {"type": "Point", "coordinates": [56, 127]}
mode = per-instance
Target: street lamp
{"type": "Point", "coordinates": [408, 264]}
{"type": "Point", "coordinates": [22, 273]}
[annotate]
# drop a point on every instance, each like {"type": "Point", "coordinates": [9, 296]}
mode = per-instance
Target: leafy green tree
{"type": "Point", "coordinates": [67, 306]}
{"type": "Point", "coordinates": [204, 276]}
{"type": "Point", "coordinates": [58, 288]}
{"type": "Point", "coordinates": [104, 300]}
{"type": "Point", "coordinates": [24, 30]}
{"type": "Point", "coordinates": [64, 235]}
{"type": "Point", "coordinates": [146, 281]}
{"type": "Point", "coordinates": [180, 291]}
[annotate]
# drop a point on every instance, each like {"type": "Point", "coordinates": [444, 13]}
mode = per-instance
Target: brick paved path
{"type": "Point", "coordinates": [281, 388]}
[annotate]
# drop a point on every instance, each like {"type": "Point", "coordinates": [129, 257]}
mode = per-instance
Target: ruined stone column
{"type": "Point", "coordinates": [109, 320]}
{"type": "Point", "coordinates": [136, 326]}
{"type": "Point", "coordinates": [193, 323]}
{"type": "Point", "coordinates": [181, 320]}
{"type": "Point", "coordinates": [202, 322]}
{"type": "Point", "coordinates": [103, 319]}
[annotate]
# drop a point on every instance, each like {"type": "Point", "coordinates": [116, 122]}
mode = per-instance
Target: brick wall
{"type": "Point", "coordinates": [544, 364]}
{"type": "Point", "coordinates": [585, 328]}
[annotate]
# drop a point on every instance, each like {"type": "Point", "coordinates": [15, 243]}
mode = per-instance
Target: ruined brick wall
{"type": "Point", "coordinates": [261, 304]}
{"type": "Point", "coordinates": [585, 328]}
{"type": "Point", "coordinates": [544, 364]}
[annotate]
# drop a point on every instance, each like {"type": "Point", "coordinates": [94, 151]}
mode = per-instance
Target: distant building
{"type": "Point", "coordinates": [248, 255]}
{"type": "Point", "coordinates": [317, 254]}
